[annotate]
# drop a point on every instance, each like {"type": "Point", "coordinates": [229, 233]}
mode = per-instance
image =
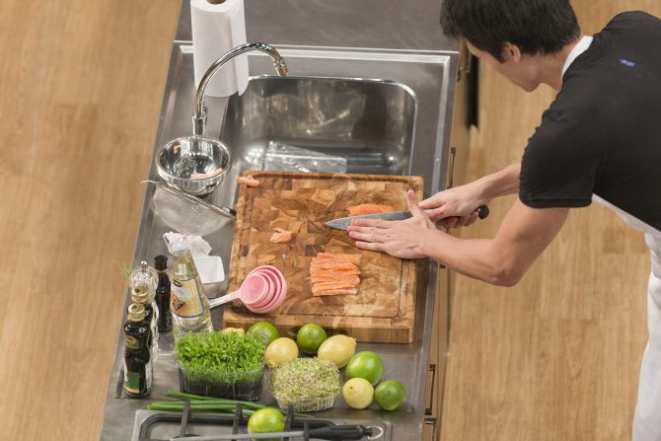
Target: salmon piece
{"type": "Point", "coordinates": [247, 181]}
{"type": "Point", "coordinates": [358, 210]}
{"type": "Point", "coordinates": [335, 274]}
{"type": "Point", "coordinates": [281, 236]}
{"type": "Point", "coordinates": [333, 292]}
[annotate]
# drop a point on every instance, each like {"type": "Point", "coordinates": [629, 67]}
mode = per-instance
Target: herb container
{"type": "Point", "coordinates": [221, 365]}
{"type": "Point", "coordinates": [306, 384]}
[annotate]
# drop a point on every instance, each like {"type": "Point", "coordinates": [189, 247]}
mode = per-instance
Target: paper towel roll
{"type": "Point", "coordinates": [219, 26]}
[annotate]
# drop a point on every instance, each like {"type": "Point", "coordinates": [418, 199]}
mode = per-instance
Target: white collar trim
{"type": "Point", "coordinates": [580, 47]}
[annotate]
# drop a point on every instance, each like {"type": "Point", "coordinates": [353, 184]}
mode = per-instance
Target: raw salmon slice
{"type": "Point", "coordinates": [281, 236]}
{"type": "Point", "coordinates": [358, 210]}
{"type": "Point", "coordinates": [248, 181]}
{"type": "Point", "coordinates": [335, 274]}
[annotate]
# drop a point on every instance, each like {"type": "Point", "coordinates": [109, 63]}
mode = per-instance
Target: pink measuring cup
{"type": "Point", "coordinates": [263, 290]}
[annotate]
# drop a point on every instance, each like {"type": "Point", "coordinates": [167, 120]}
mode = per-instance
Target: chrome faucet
{"type": "Point", "coordinates": [200, 116]}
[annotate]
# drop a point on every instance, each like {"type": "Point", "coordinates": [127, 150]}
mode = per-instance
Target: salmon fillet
{"type": "Point", "coordinates": [281, 236]}
{"type": "Point", "coordinates": [248, 181]}
{"type": "Point", "coordinates": [358, 210]}
{"type": "Point", "coordinates": [335, 274]}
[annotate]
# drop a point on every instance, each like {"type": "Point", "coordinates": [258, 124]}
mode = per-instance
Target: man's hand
{"type": "Point", "coordinates": [455, 207]}
{"type": "Point", "coordinates": [403, 239]}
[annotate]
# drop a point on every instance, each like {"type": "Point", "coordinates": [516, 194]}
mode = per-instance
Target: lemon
{"type": "Point", "coordinates": [239, 331]}
{"type": "Point", "coordinates": [358, 393]}
{"type": "Point", "coordinates": [338, 349]}
{"type": "Point", "coordinates": [280, 350]}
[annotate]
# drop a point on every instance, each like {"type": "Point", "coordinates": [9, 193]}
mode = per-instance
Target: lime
{"type": "Point", "coordinates": [358, 393]}
{"type": "Point", "coordinates": [390, 394]}
{"type": "Point", "coordinates": [266, 421]}
{"type": "Point", "coordinates": [367, 365]}
{"type": "Point", "coordinates": [310, 337]}
{"type": "Point", "coordinates": [265, 331]}
{"type": "Point", "coordinates": [280, 350]}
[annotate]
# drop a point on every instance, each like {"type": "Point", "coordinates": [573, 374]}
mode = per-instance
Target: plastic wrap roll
{"type": "Point", "coordinates": [219, 26]}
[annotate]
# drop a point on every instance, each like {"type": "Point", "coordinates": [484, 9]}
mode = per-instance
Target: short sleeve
{"type": "Point", "coordinates": [558, 169]}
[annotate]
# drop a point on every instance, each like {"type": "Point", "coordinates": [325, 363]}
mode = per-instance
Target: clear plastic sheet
{"type": "Point", "coordinates": [283, 157]}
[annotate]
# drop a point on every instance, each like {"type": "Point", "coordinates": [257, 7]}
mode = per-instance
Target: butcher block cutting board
{"type": "Point", "coordinates": [384, 308]}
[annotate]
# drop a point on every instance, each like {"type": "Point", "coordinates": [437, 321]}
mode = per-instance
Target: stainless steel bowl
{"type": "Point", "coordinates": [193, 164]}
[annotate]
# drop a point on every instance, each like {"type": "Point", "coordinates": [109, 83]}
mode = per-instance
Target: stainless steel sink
{"type": "Point", "coordinates": [367, 122]}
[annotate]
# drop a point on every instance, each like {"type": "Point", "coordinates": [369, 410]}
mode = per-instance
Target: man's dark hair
{"type": "Point", "coordinates": [535, 26]}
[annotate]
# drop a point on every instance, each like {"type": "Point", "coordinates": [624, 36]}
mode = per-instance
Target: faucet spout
{"type": "Point", "coordinates": [200, 116]}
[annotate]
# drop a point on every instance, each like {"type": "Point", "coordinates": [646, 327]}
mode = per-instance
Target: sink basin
{"type": "Point", "coordinates": [367, 122]}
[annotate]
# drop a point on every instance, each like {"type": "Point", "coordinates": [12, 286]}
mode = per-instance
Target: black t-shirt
{"type": "Point", "coordinates": [602, 134]}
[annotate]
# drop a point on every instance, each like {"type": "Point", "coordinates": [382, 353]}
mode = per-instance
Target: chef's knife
{"type": "Point", "coordinates": [344, 222]}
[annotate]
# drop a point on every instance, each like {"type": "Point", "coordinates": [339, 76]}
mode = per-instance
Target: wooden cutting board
{"type": "Point", "coordinates": [382, 311]}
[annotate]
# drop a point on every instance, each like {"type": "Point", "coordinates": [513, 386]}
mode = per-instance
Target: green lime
{"type": "Point", "coordinates": [367, 365]}
{"type": "Point", "coordinates": [390, 394]}
{"type": "Point", "coordinates": [310, 337]}
{"type": "Point", "coordinates": [265, 331]}
{"type": "Point", "coordinates": [266, 421]}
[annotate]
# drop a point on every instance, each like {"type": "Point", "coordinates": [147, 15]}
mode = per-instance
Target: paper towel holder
{"type": "Point", "coordinates": [200, 116]}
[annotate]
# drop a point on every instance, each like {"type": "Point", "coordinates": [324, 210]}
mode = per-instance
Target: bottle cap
{"type": "Point", "coordinates": [139, 295]}
{"type": "Point", "coordinates": [161, 262]}
{"type": "Point", "coordinates": [136, 312]}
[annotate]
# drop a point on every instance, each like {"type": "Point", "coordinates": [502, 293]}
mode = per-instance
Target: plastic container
{"type": "Point", "coordinates": [243, 385]}
{"type": "Point", "coordinates": [212, 275]}
{"type": "Point", "coordinates": [295, 390]}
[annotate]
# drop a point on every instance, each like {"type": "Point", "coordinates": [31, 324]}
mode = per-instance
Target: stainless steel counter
{"type": "Point", "coordinates": [429, 74]}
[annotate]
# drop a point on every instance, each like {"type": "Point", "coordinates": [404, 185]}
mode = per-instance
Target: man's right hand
{"type": "Point", "coordinates": [455, 207]}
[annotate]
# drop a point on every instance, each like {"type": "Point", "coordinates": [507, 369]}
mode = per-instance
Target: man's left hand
{"type": "Point", "coordinates": [403, 239]}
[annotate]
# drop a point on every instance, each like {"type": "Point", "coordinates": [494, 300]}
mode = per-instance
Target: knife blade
{"type": "Point", "coordinates": [344, 222]}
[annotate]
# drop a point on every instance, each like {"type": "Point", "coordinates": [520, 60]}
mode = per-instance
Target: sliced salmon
{"type": "Point", "coordinates": [358, 210]}
{"type": "Point", "coordinates": [248, 181]}
{"type": "Point", "coordinates": [281, 236]}
{"type": "Point", "coordinates": [335, 274]}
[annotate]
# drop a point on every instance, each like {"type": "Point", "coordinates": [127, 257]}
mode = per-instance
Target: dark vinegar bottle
{"type": "Point", "coordinates": [137, 354]}
{"type": "Point", "coordinates": [163, 294]}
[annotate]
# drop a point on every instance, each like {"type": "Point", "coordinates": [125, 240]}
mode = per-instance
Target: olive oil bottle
{"type": "Point", "coordinates": [140, 296]}
{"type": "Point", "coordinates": [137, 354]}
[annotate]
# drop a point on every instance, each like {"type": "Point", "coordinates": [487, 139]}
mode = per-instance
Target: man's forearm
{"type": "Point", "coordinates": [474, 258]}
{"type": "Point", "coordinates": [501, 183]}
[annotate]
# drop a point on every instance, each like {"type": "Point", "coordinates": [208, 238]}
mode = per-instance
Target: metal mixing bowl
{"type": "Point", "coordinates": [193, 164]}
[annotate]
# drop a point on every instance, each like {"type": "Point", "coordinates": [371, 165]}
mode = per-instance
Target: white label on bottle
{"type": "Point", "coordinates": [148, 374]}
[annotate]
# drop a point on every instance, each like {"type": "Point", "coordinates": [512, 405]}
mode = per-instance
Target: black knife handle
{"type": "Point", "coordinates": [482, 211]}
{"type": "Point", "coordinates": [340, 433]}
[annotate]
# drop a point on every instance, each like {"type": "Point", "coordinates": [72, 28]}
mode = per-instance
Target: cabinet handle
{"type": "Point", "coordinates": [453, 156]}
{"type": "Point", "coordinates": [431, 422]}
{"type": "Point", "coordinates": [432, 369]}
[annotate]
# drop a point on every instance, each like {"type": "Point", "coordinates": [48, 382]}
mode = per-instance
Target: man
{"type": "Point", "coordinates": [599, 140]}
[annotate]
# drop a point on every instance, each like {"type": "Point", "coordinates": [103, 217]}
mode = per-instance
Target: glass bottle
{"type": "Point", "coordinates": [163, 294]}
{"type": "Point", "coordinates": [140, 296]}
{"type": "Point", "coordinates": [137, 357]}
{"type": "Point", "coordinates": [188, 301]}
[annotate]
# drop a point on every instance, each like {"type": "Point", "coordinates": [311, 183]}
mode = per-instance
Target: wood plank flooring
{"type": "Point", "coordinates": [557, 356]}
{"type": "Point", "coordinates": [80, 91]}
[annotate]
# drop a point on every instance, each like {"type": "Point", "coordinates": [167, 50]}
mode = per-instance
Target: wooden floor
{"type": "Point", "coordinates": [80, 90]}
{"type": "Point", "coordinates": [557, 356]}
